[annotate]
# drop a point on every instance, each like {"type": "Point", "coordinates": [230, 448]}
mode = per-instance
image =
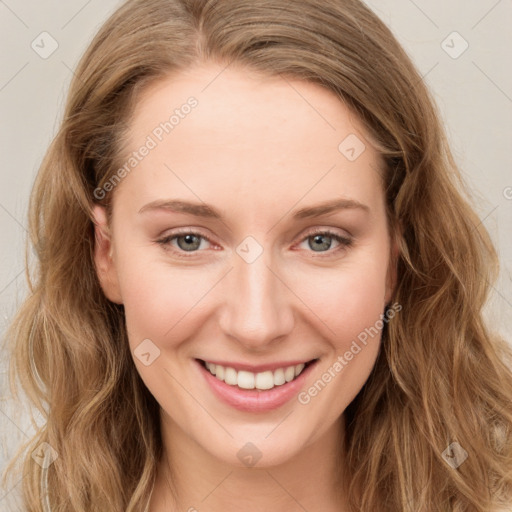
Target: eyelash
{"type": "Point", "coordinates": [344, 242]}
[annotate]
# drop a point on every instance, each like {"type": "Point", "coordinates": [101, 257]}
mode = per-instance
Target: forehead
{"type": "Point", "coordinates": [273, 135]}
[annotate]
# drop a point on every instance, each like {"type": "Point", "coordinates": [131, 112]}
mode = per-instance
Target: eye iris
{"type": "Point", "coordinates": [320, 239]}
{"type": "Point", "coordinates": [192, 242]}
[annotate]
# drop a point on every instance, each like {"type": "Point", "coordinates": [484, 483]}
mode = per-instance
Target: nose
{"type": "Point", "coordinates": [258, 308]}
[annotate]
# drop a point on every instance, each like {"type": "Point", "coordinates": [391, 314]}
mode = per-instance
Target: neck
{"type": "Point", "coordinates": [190, 478]}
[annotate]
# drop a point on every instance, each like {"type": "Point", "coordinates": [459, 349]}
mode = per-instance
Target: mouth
{"type": "Point", "coordinates": [263, 380]}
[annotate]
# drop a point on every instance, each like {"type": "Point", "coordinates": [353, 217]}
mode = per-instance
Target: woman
{"type": "Point", "coordinates": [259, 285]}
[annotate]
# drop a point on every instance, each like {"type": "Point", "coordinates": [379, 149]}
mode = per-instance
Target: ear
{"type": "Point", "coordinates": [103, 256]}
{"type": "Point", "coordinates": [392, 273]}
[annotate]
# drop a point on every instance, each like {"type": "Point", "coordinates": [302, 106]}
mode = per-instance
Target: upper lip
{"type": "Point", "coordinates": [259, 367]}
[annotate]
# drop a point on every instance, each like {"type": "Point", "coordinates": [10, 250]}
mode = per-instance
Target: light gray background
{"type": "Point", "coordinates": [473, 92]}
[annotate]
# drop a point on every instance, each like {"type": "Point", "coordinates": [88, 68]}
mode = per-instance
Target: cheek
{"type": "Point", "coordinates": [159, 300]}
{"type": "Point", "coordinates": [338, 307]}
{"type": "Point", "coordinates": [350, 308]}
{"type": "Point", "coordinates": [164, 302]}
{"type": "Point", "coordinates": [346, 299]}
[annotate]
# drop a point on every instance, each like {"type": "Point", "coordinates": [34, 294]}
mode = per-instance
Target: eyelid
{"type": "Point", "coordinates": [326, 231]}
{"type": "Point", "coordinates": [344, 241]}
{"type": "Point", "coordinates": [165, 239]}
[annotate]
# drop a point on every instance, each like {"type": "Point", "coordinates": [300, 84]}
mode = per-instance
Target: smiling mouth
{"type": "Point", "coordinates": [264, 380]}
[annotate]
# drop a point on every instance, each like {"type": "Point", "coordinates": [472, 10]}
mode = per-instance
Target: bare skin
{"type": "Point", "coordinates": [257, 150]}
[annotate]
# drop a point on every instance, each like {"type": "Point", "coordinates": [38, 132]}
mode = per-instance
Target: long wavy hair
{"type": "Point", "coordinates": [440, 376]}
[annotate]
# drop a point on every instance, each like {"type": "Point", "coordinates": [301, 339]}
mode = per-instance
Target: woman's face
{"type": "Point", "coordinates": [250, 233]}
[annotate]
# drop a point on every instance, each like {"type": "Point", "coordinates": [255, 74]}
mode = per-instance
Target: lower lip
{"type": "Point", "coordinates": [253, 400]}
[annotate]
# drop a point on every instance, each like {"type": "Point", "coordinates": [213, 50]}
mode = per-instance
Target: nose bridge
{"type": "Point", "coordinates": [256, 309]}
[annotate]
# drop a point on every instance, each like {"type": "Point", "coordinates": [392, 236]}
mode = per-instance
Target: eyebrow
{"type": "Point", "coordinates": [208, 211]}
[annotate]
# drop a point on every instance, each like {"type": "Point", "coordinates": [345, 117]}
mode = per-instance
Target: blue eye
{"type": "Point", "coordinates": [191, 242]}
{"type": "Point", "coordinates": [187, 241]}
{"type": "Point", "coordinates": [322, 240]}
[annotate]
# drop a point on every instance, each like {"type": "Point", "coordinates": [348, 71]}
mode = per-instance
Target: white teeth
{"type": "Point", "coordinates": [279, 377]}
{"type": "Point", "coordinates": [289, 373]}
{"type": "Point", "coordinates": [230, 376]}
{"type": "Point", "coordinates": [264, 380]}
{"type": "Point", "coordinates": [249, 380]}
{"type": "Point", "coordinates": [246, 380]}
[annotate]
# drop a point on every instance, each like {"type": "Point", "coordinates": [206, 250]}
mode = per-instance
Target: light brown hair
{"type": "Point", "coordinates": [440, 375]}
